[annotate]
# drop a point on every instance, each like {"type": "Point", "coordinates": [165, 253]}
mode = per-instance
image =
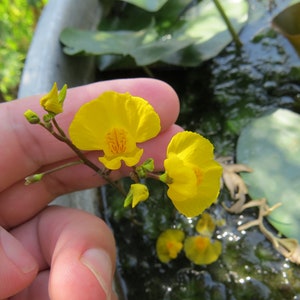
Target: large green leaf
{"type": "Point", "coordinates": [270, 145]}
{"type": "Point", "coordinates": [150, 5]}
{"type": "Point", "coordinates": [178, 34]}
{"type": "Point", "coordinates": [204, 23]}
{"type": "Point", "coordinates": [142, 45]}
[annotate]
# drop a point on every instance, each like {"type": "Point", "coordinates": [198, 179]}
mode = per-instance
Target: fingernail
{"type": "Point", "coordinates": [16, 253]}
{"type": "Point", "coordinates": [99, 263]}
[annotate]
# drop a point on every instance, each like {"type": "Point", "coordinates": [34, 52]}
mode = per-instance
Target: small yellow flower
{"type": "Point", "coordinates": [115, 123]}
{"type": "Point", "coordinates": [191, 173]}
{"type": "Point", "coordinates": [53, 101]}
{"type": "Point", "coordinates": [206, 225]}
{"type": "Point", "coordinates": [202, 250]}
{"type": "Point", "coordinates": [138, 192]}
{"type": "Point", "coordinates": [169, 244]}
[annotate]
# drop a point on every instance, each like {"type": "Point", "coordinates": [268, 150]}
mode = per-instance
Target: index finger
{"type": "Point", "coordinates": [26, 148]}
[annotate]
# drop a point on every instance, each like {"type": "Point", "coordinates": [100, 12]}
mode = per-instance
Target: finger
{"type": "Point", "coordinates": [18, 203]}
{"type": "Point", "coordinates": [78, 247]}
{"type": "Point", "coordinates": [37, 290]}
{"type": "Point", "coordinates": [18, 267]}
{"type": "Point", "coordinates": [27, 148]}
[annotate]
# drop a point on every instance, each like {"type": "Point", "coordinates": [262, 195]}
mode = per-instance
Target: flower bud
{"type": "Point", "coordinates": [165, 178]}
{"type": "Point", "coordinates": [147, 166]}
{"type": "Point", "coordinates": [33, 178]}
{"type": "Point", "coordinates": [31, 117]}
{"type": "Point", "coordinates": [53, 101]}
{"type": "Point", "coordinates": [138, 192]}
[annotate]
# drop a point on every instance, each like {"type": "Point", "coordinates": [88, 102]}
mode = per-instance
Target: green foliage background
{"type": "Point", "coordinates": [17, 24]}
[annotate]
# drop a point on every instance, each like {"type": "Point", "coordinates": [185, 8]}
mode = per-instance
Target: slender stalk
{"type": "Point", "coordinates": [38, 176]}
{"type": "Point", "coordinates": [59, 129]}
{"type": "Point", "coordinates": [232, 31]}
{"type": "Point", "coordinates": [148, 71]}
{"type": "Point", "coordinates": [153, 176]}
{"type": "Point", "coordinates": [73, 163]}
{"type": "Point", "coordinates": [63, 138]}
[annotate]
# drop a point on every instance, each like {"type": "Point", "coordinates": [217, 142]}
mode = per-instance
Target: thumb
{"type": "Point", "coordinates": [18, 267]}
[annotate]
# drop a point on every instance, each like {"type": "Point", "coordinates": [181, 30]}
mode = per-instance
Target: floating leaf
{"type": "Point", "coordinates": [178, 34]}
{"type": "Point", "coordinates": [287, 23]}
{"type": "Point", "coordinates": [150, 5]}
{"type": "Point", "coordinates": [270, 145]}
{"type": "Point", "coordinates": [142, 45]}
{"type": "Point", "coordinates": [204, 23]}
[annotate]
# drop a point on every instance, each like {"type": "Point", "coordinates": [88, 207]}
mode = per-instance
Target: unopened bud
{"type": "Point", "coordinates": [165, 178]}
{"type": "Point", "coordinates": [146, 167]}
{"type": "Point", "coordinates": [138, 192]}
{"type": "Point", "coordinates": [51, 101]}
{"type": "Point", "coordinates": [31, 117]}
{"type": "Point", "coordinates": [33, 178]}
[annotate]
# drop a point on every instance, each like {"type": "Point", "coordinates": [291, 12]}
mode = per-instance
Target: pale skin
{"type": "Point", "coordinates": [50, 252]}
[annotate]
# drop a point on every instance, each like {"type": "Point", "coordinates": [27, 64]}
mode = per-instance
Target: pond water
{"type": "Point", "coordinates": [218, 99]}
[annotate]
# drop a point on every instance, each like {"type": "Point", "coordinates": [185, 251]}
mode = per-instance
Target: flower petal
{"type": "Point", "coordinates": [50, 102]}
{"type": "Point", "coordinates": [195, 176]}
{"type": "Point", "coordinates": [191, 207]}
{"type": "Point", "coordinates": [115, 123]}
{"type": "Point", "coordinates": [138, 192]}
{"type": "Point", "coordinates": [183, 178]}
{"type": "Point", "coordinates": [202, 250]}
{"type": "Point", "coordinates": [191, 147]}
{"type": "Point", "coordinates": [206, 225]}
{"type": "Point", "coordinates": [169, 244]}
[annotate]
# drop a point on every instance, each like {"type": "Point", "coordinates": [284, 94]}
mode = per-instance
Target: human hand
{"type": "Point", "coordinates": [54, 252]}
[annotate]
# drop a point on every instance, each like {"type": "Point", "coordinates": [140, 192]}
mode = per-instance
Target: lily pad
{"type": "Point", "coordinates": [150, 5]}
{"type": "Point", "coordinates": [142, 45]}
{"type": "Point", "coordinates": [177, 34]}
{"type": "Point", "coordinates": [270, 145]}
{"type": "Point", "coordinates": [203, 22]}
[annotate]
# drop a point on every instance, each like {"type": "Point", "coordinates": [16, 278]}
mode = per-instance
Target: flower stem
{"type": "Point", "coordinates": [232, 31]}
{"type": "Point", "coordinates": [59, 129]}
{"type": "Point", "coordinates": [73, 163]}
{"type": "Point", "coordinates": [153, 176]}
{"type": "Point", "coordinates": [61, 136]}
{"type": "Point", "coordinates": [38, 177]}
{"type": "Point", "coordinates": [148, 71]}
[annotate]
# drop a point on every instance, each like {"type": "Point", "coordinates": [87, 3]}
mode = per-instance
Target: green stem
{"type": "Point", "coordinates": [148, 71]}
{"type": "Point", "coordinates": [59, 129]}
{"type": "Point", "coordinates": [153, 176]}
{"type": "Point", "coordinates": [63, 138]}
{"type": "Point", "coordinates": [70, 164]}
{"type": "Point", "coordinates": [232, 31]}
{"type": "Point", "coordinates": [38, 176]}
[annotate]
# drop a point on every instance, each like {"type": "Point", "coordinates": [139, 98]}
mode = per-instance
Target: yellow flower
{"type": "Point", "coordinates": [169, 244]}
{"type": "Point", "coordinates": [191, 173]}
{"type": "Point", "coordinates": [115, 123]}
{"type": "Point", "coordinates": [202, 250]}
{"type": "Point", "coordinates": [53, 101]}
{"type": "Point", "coordinates": [138, 192]}
{"type": "Point", "coordinates": [206, 225]}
